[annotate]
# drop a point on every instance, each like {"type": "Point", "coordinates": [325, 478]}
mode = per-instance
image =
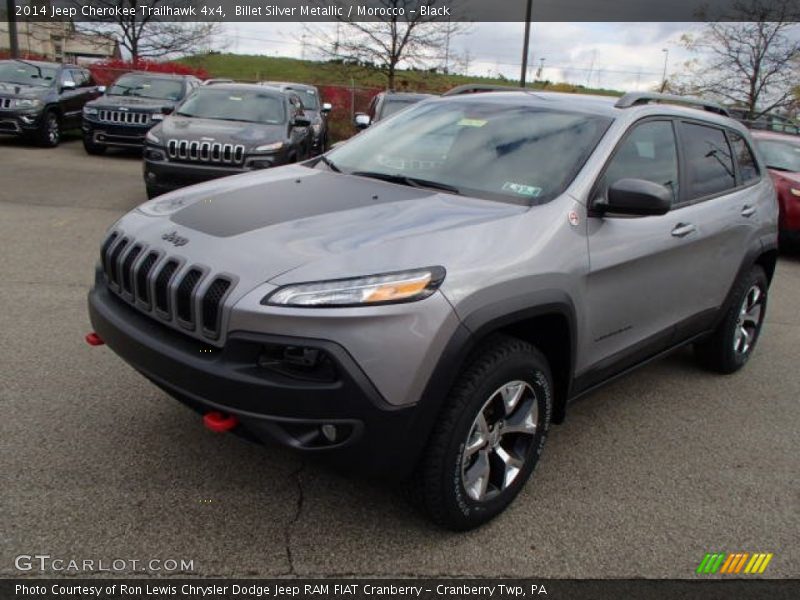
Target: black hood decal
{"type": "Point", "coordinates": [256, 206]}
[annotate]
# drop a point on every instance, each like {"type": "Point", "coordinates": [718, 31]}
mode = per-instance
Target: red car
{"type": "Point", "coordinates": [781, 153]}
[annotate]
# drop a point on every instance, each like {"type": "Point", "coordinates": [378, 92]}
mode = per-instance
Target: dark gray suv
{"type": "Point", "coordinates": [425, 300]}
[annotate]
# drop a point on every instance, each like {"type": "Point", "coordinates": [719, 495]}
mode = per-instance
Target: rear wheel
{"type": "Point", "coordinates": [49, 133]}
{"type": "Point", "coordinates": [488, 438]}
{"type": "Point", "coordinates": [732, 343]}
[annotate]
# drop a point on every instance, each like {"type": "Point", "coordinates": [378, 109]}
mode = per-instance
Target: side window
{"type": "Point", "coordinates": [66, 77]}
{"type": "Point", "coordinates": [709, 164]}
{"type": "Point", "coordinates": [748, 169]}
{"type": "Point", "coordinates": [648, 152]}
{"type": "Point", "coordinates": [79, 77]}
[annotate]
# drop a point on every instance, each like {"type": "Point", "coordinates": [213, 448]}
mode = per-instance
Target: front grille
{"type": "Point", "coordinates": [164, 286]}
{"type": "Point", "coordinates": [185, 289]}
{"type": "Point", "coordinates": [127, 276]}
{"type": "Point", "coordinates": [5, 103]}
{"type": "Point", "coordinates": [207, 152]}
{"type": "Point", "coordinates": [123, 117]}
{"type": "Point", "coordinates": [211, 305]}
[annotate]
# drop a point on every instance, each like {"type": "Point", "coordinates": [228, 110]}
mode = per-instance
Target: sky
{"type": "Point", "coordinates": [623, 56]}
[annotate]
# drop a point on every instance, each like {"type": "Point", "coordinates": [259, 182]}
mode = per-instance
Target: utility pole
{"type": "Point", "coordinates": [447, 49]}
{"type": "Point", "coordinates": [13, 43]}
{"type": "Point", "coordinates": [591, 68]}
{"type": "Point", "coordinates": [540, 69]}
{"type": "Point", "coordinates": [525, 44]}
{"type": "Point", "coordinates": [664, 75]}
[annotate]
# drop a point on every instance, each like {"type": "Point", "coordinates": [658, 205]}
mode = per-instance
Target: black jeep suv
{"type": "Point", "coordinates": [136, 102]}
{"type": "Point", "coordinates": [222, 130]}
{"type": "Point", "coordinates": [41, 99]}
{"type": "Point", "coordinates": [316, 110]}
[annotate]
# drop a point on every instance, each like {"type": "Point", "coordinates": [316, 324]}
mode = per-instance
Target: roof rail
{"type": "Point", "coordinates": [638, 98]}
{"type": "Point", "coordinates": [475, 88]}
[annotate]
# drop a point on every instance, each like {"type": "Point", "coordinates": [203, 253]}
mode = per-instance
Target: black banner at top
{"type": "Point", "coordinates": [382, 10]}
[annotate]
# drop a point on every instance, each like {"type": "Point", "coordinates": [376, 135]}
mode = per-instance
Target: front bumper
{"type": "Point", "coordinates": [115, 135]}
{"type": "Point", "coordinates": [163, 176]}
{"type": "Point", "coordinates": [16, 122]}
{"type": "Point", "coordinates": [373, 437]}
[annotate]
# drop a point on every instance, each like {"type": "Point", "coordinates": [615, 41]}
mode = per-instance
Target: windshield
{"type": "Point", "coordinates": [780, 155]}
{"type": "Point", "coordinates": [22, 73]}
{"type": "Point", "coordinates": [144, 86]}
{"type": "Point", "coordinates": [517, 153]}
{"type": "Point", "coordinates": [235, 105]}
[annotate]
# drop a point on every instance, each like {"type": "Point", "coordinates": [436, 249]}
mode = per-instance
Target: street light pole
{"type": "Point", "coordinates": [525, 44]}
{"type": "Point", "coordinates": [664, 75]}
{"type": "Point", "coordinates": [11, 15]}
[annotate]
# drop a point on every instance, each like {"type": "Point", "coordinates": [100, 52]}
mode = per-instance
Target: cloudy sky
{"type": "Point", "coordinates": [625, 56]}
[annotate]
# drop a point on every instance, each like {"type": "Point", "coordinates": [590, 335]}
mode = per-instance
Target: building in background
{"type": "Point", "coordinates": [59, 42]}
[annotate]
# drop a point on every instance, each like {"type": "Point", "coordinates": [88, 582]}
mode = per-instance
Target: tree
{"type": "Point", "coordinates": [150, 35]}
{"type": "Point", "coordinates": [752, 62]}
{"type": "Point", "coordinates": [411, 38]}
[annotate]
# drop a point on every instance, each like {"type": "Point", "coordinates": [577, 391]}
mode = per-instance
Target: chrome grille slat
{"type": "Point", "coordinates": [5, 103]}
{"type": "Point", "coordinates": [123, 117]}
{"type": "Point", "coordinates": [196, 151]}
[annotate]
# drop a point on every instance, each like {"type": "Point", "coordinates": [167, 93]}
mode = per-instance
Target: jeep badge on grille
{"type": "Point", "coordinates": [174, 238]}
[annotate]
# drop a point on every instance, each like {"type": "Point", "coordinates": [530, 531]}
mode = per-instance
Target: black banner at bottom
{"type": "Point", "coordinates": [401, 589]}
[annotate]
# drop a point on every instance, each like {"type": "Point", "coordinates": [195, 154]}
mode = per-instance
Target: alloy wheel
{"type": "Point", "coordinates": [499, 440]}
{"type": "Point", "coordinates": [749, 320]}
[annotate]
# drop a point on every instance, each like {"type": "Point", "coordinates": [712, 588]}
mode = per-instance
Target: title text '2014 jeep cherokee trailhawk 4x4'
{"type": "Point", "coordinates": [424, 300]}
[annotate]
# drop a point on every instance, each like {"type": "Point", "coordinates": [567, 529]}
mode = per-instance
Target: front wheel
{"type": "Point", "coordinates": [730, 346]}
{"type": "Point", "coordinates": [488, 438]}
{"type": "Point", "coordinates": [49, 133]}
{"type": "Point", "coordinates": [92, 148]}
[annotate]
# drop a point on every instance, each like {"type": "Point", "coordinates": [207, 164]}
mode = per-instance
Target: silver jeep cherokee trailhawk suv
{"type": "Point", "coordinates": [423, 301]}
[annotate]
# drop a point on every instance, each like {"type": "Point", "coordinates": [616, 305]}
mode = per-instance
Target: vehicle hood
{"type": "Point", "coordinates": [216, 130]}
{"type": "Point", "coordinates": [261, 225]}
{"type": "Point", "coordinates": [793, 178]}
{"type": "Point", "coordinates": [131, 102]}
{"type": "Point", "coordinates": [23, 91]}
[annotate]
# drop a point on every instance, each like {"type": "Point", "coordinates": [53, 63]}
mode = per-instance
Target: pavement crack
{"type": "Point", "coordinates": [296, 476]}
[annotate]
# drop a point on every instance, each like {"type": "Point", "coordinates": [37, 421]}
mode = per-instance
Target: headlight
{"type": "Point", "coordinates": [317, 127]}
{"type": "Point", "coordinates": [402, 286]}
{"type": "Point", "coordinates": [269, 147]}
{"type": "Point", "coordinates": [152, 138]}
{"type": "Point", "coordinates": [795, 192]}
{"type": "Point", "coordinates": [89, 110]}
{"type": "Point", "coordinates": [27, 103]}
{"type": "Point", "coordinates": [157, 117]}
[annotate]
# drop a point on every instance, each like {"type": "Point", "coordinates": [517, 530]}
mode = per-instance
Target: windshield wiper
{"type": "Point", "coordinates": [330, 164]}
{"type": "Point", "coordinates": [777, 168]}
{"type": "Point", "coordinates": [409, 181]}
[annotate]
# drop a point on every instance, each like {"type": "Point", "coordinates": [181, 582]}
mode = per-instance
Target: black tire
{"type": "Point", "coordinates": [48, 135]}
{"type": "Point", "coordinates": [726, 350]}
{"type": "Point", "coordinates": [92, 148]}
{"type": "Point", "coordinates": [439, 485]}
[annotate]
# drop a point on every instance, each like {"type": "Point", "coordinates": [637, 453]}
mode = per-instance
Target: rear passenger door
{"type": "Point", "coordinates": [714, 221]}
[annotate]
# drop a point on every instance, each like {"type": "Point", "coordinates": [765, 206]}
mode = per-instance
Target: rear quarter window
{"type": "Point", "coordinates": [745, 161]}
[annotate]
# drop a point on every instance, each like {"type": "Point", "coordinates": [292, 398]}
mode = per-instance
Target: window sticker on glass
{"type": "Point", "coordinates": [521, 189]}
{"type": "Point", "coordinates": [472, 122]}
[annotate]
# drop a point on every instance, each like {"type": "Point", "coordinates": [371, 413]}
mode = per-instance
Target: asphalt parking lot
{"type": "Point", "coordinates": [644, 478]}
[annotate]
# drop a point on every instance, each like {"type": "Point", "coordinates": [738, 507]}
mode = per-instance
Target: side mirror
{"type": "Point", "coordinates": [327, 107]}
{"type": "Point", "coordinates": [636, 197]}
{"type": "Point", "coordinates": [361, 121]}
{"type": "Point", "coordinates": [101, 89]}
{"type": "Point", "coordinates": [301, 120]}
{"type": "Point", "coordinates": [68, 85]}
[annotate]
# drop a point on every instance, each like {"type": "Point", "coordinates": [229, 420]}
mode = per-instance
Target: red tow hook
{"type": "Point", "coordinates": [216, 421]}
{"type": "Point", "coordinates": [93, 339]}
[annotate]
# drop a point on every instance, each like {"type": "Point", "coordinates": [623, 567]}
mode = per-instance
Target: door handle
{"type": "Point", "coordinates": [683, 229]}
{"type": "Point", "coordinates": [748, 211]}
